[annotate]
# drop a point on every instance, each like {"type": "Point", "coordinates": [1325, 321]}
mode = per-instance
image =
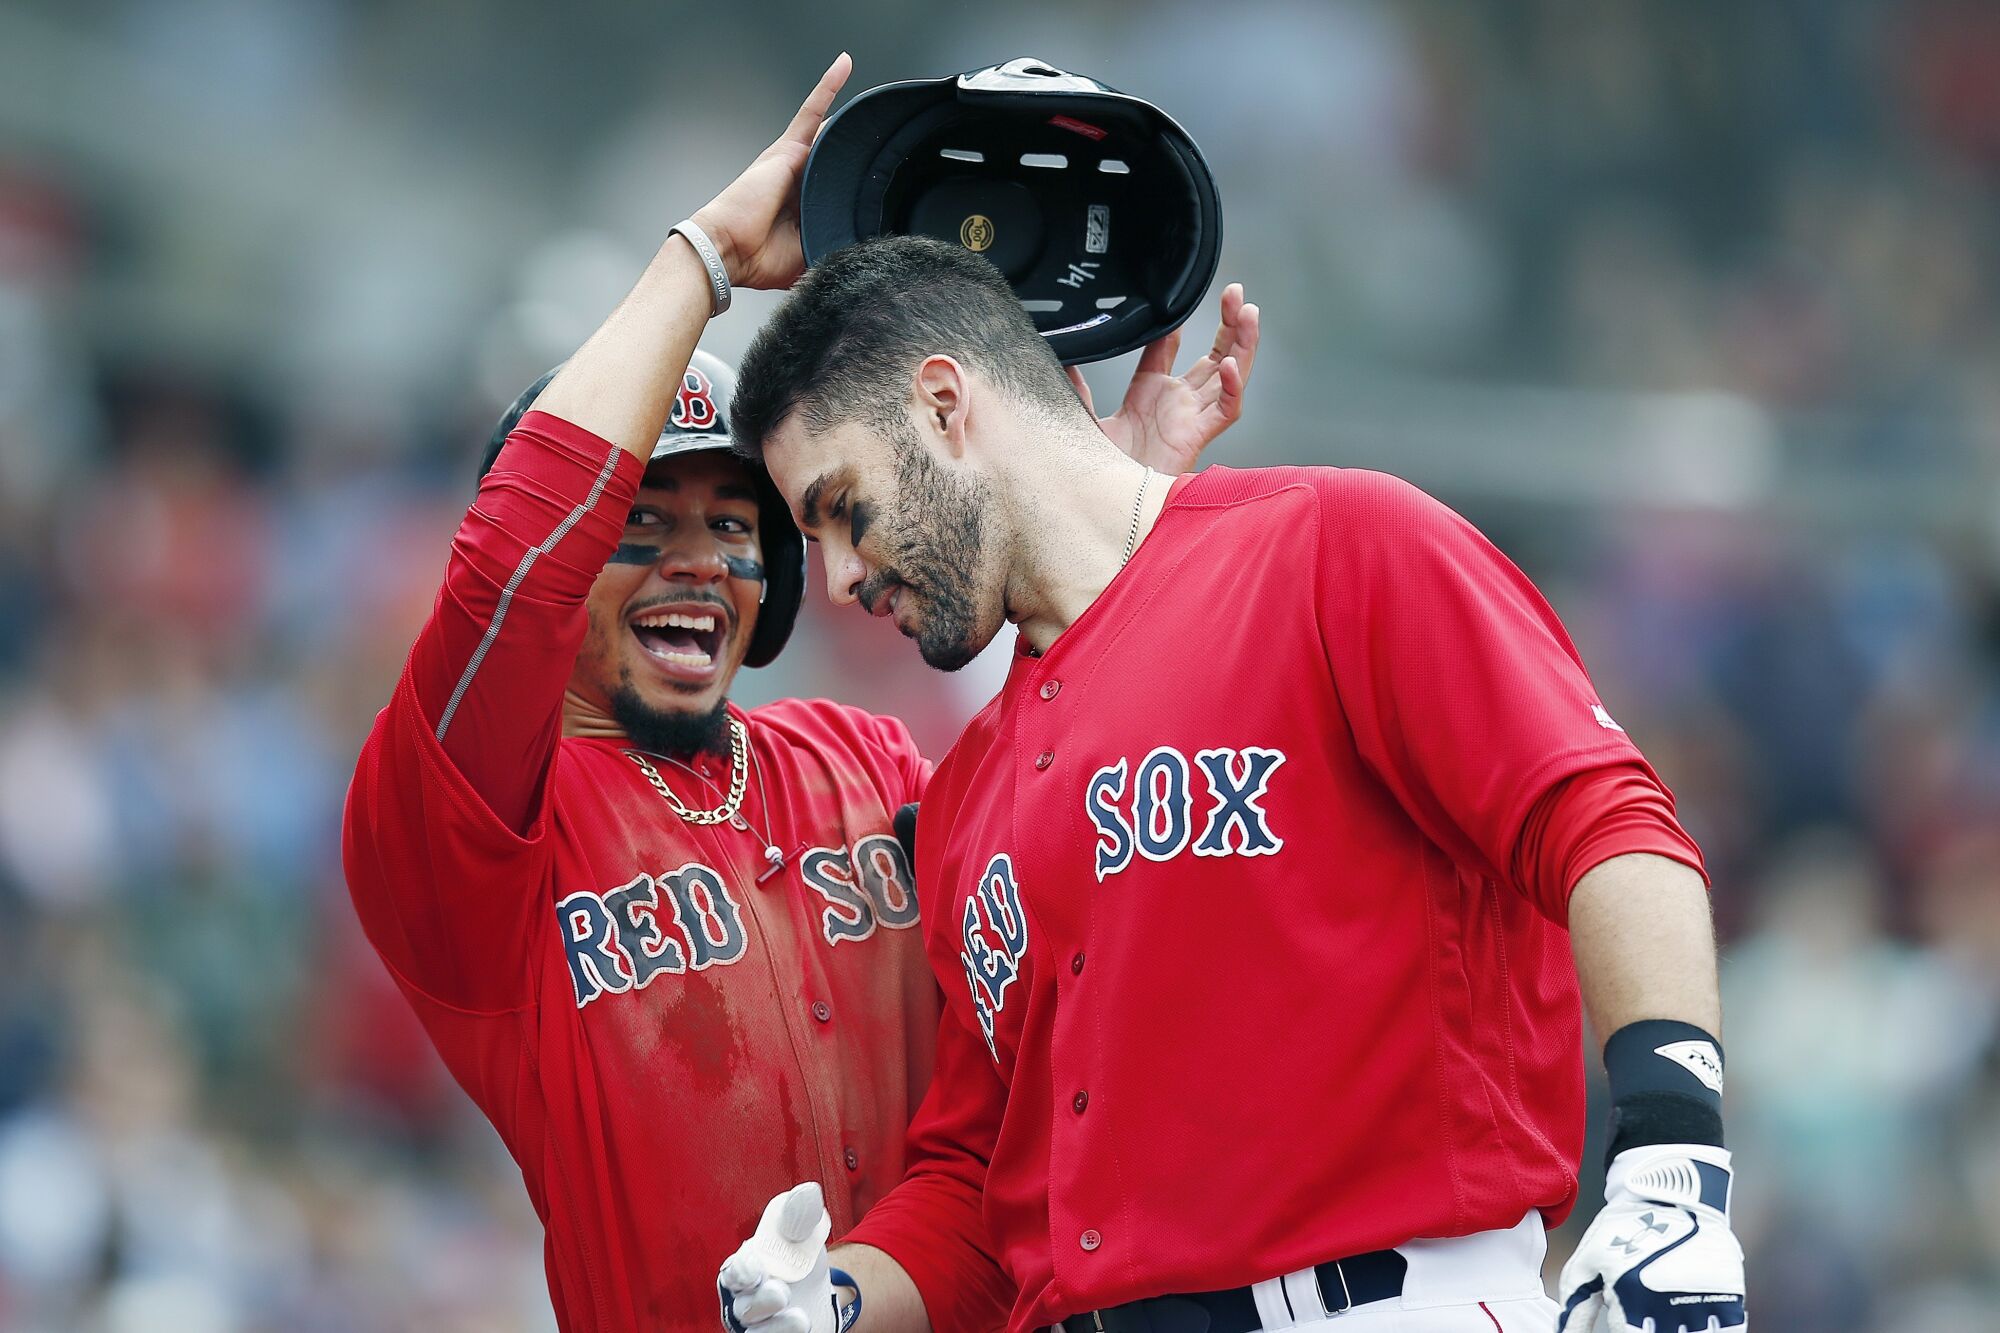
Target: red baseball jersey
{"type": "Point", "coordinates": [1248, 898]}
{"type": "Point", "coordinates": [664, 1037]}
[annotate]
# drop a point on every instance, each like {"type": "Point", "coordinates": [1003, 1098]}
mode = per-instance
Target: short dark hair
{"type": "Point", "coordinates": [845, 342]}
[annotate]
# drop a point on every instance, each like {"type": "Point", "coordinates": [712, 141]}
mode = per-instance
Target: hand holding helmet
{"type": "Point", "coordinates": [754, 222]}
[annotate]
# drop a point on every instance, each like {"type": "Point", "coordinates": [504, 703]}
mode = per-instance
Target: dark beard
{"type": "Point", "coordinates": [935, 554]}
{"type": "Point", "coordinates": [679, 735]}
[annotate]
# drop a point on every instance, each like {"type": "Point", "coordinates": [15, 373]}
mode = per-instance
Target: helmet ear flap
{"type": "Point", "coordinates": [784, 582]}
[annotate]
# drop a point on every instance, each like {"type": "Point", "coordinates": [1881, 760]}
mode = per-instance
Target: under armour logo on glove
{"type": "Point", "coordinates": [1634, 1243]}
{"type": "Point", "coordinates": [1660, 1257]}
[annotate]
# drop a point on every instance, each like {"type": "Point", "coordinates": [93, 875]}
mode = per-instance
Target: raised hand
{"type": "Point", "coordinates": [1166, 420]}
{"type": "Point", "coordinates": [754, 222]}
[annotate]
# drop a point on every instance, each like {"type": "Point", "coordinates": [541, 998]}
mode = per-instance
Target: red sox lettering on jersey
{"type": "Point", "coordinates": [1155, 816]}
{"type": "Point", "coordinates": [996, 933]}
{"type": "Point", "coordinates": [620, 941]}
{"type": "Point", "coordinates": [687, 919]}
{"type": "Point", "coordinates": [871, 887]}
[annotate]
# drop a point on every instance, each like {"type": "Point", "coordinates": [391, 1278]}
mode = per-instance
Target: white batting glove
{"type": "Point", "coordinates": [779, 1281]}
{"type": "Point", "coordinates": [1660, 1257]}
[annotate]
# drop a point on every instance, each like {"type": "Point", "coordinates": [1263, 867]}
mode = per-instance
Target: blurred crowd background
{"type": "Point", "coordinates": [1692, 306]}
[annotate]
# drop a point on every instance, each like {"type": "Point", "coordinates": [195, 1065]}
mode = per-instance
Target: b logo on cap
{"type": "Point", "coordinates": [976, 232]}
{"type": "Point", "coordinates": [694, 405]}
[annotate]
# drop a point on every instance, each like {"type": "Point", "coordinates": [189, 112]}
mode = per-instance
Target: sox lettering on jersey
{"type": "Point", "coordinates": [1153, 814]}
{"type": "Point", "coordinates": [994, 932]}
{"type": "Point", "coordinates": [872, 886]}
{"type": "Point", "coordinates": [1147, 809]}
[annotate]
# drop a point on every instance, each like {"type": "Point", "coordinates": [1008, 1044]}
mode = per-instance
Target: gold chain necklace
{"type": "Point", "coordinates": [739, 776]}
{"type": "Point", "coordinates": [1138, 508]}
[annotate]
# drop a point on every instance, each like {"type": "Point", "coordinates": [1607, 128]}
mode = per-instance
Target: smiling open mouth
{"type": "Point", "coordinates": [681, 638]}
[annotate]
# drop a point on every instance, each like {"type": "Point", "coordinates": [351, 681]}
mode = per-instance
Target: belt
{"type": "Point", "coordinates": [1343, 1284]}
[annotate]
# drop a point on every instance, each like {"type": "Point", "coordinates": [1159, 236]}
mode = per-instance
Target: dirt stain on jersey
{"type": "Point", "coordinates": [689, 1030]}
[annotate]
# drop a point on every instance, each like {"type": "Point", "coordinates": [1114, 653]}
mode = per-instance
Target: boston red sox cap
{"type": "Point", "coordinates": [1096, 205]}
{"type": "Point", "coordinates": [700, 420]}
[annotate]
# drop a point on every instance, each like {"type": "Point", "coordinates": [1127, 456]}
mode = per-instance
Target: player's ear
{"type": "Point", "coordinates": [943, 402]}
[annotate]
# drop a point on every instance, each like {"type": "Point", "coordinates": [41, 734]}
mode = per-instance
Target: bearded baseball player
{"type": "Point", "coordinates": [1266, 895]}
{"type": "Point", "coordinates": [653, 935]}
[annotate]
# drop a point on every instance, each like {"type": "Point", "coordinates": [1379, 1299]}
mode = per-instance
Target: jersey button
{"type": "Point", "coordinates": [1050, 688]}
{"type": "Point", "coordinates": [1076, 964]}
{"type": "Point", "coordinates": [853, 1160]}
{"type": "Point", "coordinates": [1090, 1240]}
{"type": "Point", "coordinates": [822, 1011]}
{"type": "Point", "coordinates": [1045, 758]}
{"type": "Point", "coordinates": [1078, 1102]}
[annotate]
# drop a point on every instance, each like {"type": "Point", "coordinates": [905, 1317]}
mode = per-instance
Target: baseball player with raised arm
{"type": "Point", "coordinates": [666, 944]}
{"type": "Point", "coordinates": [1266, 895]}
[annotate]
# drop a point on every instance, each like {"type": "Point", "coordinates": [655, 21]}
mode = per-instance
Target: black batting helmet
{"type": "Point", "coordinates": [1096, 205]}
{"type": "Point", "coordinates": [700, 420]}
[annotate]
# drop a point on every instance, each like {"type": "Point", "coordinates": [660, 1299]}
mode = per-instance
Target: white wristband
{"type": "Point", "coordinates": [718, 276]}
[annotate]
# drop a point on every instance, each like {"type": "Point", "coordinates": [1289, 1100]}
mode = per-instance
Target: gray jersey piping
{"type": "Point", "coordinates": [520, 576]}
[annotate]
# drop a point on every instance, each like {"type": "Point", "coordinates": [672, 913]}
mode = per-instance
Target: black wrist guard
{"type": "Point", "coordinates": [1666, 1085]}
